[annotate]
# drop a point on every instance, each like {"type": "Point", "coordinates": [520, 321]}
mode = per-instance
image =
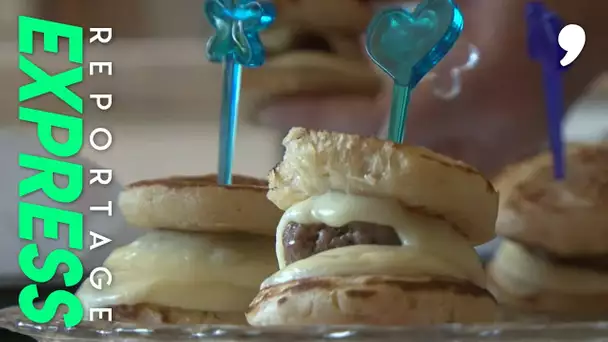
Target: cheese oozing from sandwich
{"type": "Point", "coordinates": [193, 271]}
{"type": "Point", "coordinates": [517, 270]}
{"type": "Point", "coordinates": [429, 246]}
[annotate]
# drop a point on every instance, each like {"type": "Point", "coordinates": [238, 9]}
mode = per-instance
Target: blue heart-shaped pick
{"type": "Point", "coordinates": [407, 45]}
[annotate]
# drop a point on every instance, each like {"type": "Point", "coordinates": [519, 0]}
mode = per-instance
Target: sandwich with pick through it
{"type": "Point", "coordinates": [208, 249]}
{"type": "Point", "coordinates": [375, 233]}
{"type": "Point", "coordinates": [553, 259]}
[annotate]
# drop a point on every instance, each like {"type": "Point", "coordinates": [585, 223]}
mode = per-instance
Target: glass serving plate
{"type": "Point", "coordinates": [12, 319]}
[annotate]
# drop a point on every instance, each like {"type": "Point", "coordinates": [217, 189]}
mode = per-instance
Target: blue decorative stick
{"type": "Point", "coordinates": [236, 43]}
{"type": "Point", "coordinates": [406, 45]}
{"type": "Point", "coordinates": [543, 32]}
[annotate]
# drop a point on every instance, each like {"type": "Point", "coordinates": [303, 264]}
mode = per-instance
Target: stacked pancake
{"type": "Point", "coordinates": [209, 249]}
{"type": "Point", "coordinates": [554, 258]}
{"type": "Point", "coordinates": [314, 48]}
{"type": "Point", "coordinates": [375, 233]}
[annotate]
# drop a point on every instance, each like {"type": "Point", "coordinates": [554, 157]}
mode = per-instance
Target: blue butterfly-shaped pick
{"type": "Point", "coordinates": [406, 45]}
{"type": "Point", "coordinates": [237, 25]}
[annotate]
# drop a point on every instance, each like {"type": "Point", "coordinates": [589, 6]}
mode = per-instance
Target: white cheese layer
{"type": "Point", "coordinates": [429, 246]}
{"type": "Point", "coordinates": [197, 271]}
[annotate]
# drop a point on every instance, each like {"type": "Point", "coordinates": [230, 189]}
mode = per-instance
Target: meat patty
{"type": "Point", "coordinates": [304, 240]}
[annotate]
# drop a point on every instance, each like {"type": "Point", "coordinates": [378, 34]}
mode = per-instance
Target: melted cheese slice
{"type": "Point", "coordinates": [429, 246]}
{"type": "Point", "coordinates": [207, 272]}
{"type": "Point", "coordinates": [521, 272]}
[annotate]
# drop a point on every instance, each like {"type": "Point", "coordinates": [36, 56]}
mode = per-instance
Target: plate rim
{"type": "Point", "coordinates": [12, 319]}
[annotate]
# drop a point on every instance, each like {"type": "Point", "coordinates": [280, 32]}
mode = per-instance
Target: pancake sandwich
{"type": "Point", "coordinates": [554, 257]}
{"type": "Point", "coordinates": [375, 233]}
{"type": "Point", "coordinates": [208, 249]}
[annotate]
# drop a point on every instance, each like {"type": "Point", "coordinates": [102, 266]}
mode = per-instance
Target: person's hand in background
{"type": "Point", "coordinates": [498, 117]}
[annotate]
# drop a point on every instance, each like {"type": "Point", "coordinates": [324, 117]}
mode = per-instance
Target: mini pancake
{"type": "Point", "coordinates": [568, 218]}
{"type": "Point", "coordinates": [425, 182]}
{"type": "Point", "coordinates": [371, 300]}
{"type": "Point", "coordinates": [522, 279]}
{"type": "Point", "coordinates": [198, 203]}
{"type": "Point", "coordinates": [554, 255]}
{"type": "Point", "coordinates": [151, 314]}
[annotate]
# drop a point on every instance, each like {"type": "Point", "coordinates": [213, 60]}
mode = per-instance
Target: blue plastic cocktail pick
{"type": "Point", "coordinates": [406, 45]}
{"type": "Point", "coordinates": [236, 43]}
{"type": "Point", "coordinates": [543, 31]}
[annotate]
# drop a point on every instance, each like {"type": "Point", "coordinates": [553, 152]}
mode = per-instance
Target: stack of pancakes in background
{"type": "Point", "coordinates": [208, 250]}
{"type": "Point", "coordinates": [554, 257]}
{"type": "Point", "coordinates": [314, 48]}
{"type": "Point", "coordinates": [375, 233]}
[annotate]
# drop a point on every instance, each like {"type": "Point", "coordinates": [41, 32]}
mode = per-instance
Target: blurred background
{"type": "Point", "coordinates": [166, 94]}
